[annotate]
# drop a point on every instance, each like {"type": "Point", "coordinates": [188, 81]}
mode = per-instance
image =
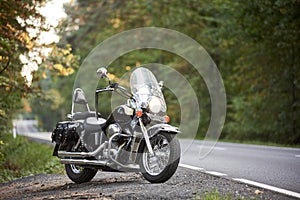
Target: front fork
{"type": "Point", "coordinates": [146, 136]}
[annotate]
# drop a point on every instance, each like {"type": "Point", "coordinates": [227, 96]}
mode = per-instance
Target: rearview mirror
{"type": "Point", "coordinates": [102, 72]}
{"type": "Point", "coordinates": [161, 84]}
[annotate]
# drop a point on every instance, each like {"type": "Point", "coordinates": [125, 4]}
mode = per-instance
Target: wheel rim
{"type": "Point", "coordinates": [154, 165]}
{"type": "Point", "coordinates": [75, 169]}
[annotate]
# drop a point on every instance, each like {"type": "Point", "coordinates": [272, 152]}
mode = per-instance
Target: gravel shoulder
{"type": "Point", "coordinates": [185, 184]}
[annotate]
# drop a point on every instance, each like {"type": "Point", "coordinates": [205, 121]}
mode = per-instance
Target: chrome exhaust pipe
{"type": "Point", "coordinates": [62, 154]}
{"type": "Point", "coordinates": [130, 167]}
{"type": "Point", "coordinates": [83, 162]}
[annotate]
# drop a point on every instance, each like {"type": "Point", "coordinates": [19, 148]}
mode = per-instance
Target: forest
{"type": "Point", "coordinates": [255, 45]}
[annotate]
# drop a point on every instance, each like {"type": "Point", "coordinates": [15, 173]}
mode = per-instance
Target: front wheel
{"type": "Point", "coordinates": [161, 166]}
{"type": "Point", "coordinates": [79, 174]}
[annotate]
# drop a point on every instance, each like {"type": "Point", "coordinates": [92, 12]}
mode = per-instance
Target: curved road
{"type": "Point", "coordinates": [275, 166]}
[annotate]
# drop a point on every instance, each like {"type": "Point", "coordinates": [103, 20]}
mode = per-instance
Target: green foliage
{"type": "Point", "coordinates": [264, 80]}
{"type": "Point", "coordinates": [99, 20]}
{"type": "Point", "coordinates": [256, 45]}
{"type": "Point", "coordinates": [20, 157]}
{"type": "Point", "coordinates": [14, 41]}
{"type": "Point", "coordinates": [56, 76]}
{"type": "Point", "coordinates": [213, 195]}
{"type": "Point", "coordinates": [20, 27]}
{"type": "Point", "coordinates": [46, 107]}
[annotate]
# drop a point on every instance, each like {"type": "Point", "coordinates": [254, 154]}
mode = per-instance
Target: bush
{"type": "Point", "coordinates": [20, 157]}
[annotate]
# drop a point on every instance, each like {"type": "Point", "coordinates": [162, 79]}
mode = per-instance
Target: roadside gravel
{"type": "Point", "coordinates": [185, 184]}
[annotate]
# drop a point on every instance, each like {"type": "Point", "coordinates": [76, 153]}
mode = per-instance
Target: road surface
{"type": "Point", "coordinates": [274, 166]}
{"type": "Point", "coordinates": [185, 184]}
{"type": "Point", "coordinates": [28, 128]}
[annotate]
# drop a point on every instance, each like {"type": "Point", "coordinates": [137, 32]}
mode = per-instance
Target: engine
{"type": "Point", "coordinates": [113, 129]}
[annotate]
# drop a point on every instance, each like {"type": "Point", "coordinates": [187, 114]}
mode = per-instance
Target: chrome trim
{"type": "Point", "coordinates": [109, 149]}
{"type": "Point", "coordinates": [62, 154]}
{"type": "Point", "coordinates": [103, 163]}
{"type": "Point", "coordinates": [146, 136]}
{"type": "Point", "coordinates": [154, 165]}
{"type": "Point", "coordinates": [73, 104]}
{"type": "Point", "coordinates": [162, 127]}
{"type": "Point", "coordinates": [84, 162]}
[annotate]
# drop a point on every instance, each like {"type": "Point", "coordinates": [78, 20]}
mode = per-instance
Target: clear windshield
{"type": "Point", "coordinates": [144, 85]}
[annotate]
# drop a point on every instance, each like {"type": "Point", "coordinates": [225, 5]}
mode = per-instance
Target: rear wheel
{"type": "Point", "coordinates": [79, 174]}
{"type": "Point", "coordinates": [161, 166]}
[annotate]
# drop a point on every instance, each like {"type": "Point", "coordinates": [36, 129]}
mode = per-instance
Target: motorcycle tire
{"type": "Point", "coordinates": [78, 174]}
{"type": "Point", "coordinates": [160, 142]}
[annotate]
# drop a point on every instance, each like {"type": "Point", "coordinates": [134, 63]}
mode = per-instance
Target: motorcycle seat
{"type": "Point", "coordinates": [92, 124]}
{"type": "Point", "coordinates": [83, 115]}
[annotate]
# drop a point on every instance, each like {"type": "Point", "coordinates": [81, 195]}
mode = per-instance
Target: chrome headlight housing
{"type": "Point", "coordinates": [155, 105]}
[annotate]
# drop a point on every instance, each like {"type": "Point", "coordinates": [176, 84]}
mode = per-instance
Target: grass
{"type": "Point", "coordinates": [213, 195]}
{"type": "Point", "coordinates": [20, 157]}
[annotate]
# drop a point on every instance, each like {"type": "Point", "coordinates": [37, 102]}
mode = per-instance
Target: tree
{"type": "Point", "coordinates": [24, 58]}
{"type": "Point", "coordinates": [92, 22]}
{"type": "Point", "coordinates": [17, 17]}
{"type": "Point", "coordinates": [255, 45]}
{"type": "Point", "coordinates": [264, 43]}
{"type": "Point", "coordinates": [56, 75]}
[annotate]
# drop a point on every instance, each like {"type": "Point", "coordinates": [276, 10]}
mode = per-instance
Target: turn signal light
{"type": "Point", "coordinates": [139, 113]}
{"type": "Point", "coordinates": [167, 118]}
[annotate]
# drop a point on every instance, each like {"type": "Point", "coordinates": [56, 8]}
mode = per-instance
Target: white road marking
{"type": "Point", "coordinates": [215, 173]}
{"type": "Point", "coordinates": [220, 148]}
{"type": "Point", "coordinates": [268, 187]}
{"type": "Point", "coordinates": [253, 183]}
{"type": "Point", "coordinates": [191, 167]}
{"type": "Point", "coordinates": [213, 148]}
{"type": "Point", "coordinates": [202, 170]}
{"type": "Point", "coordinates": [297, 156]}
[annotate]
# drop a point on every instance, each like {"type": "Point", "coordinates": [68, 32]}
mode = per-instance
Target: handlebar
{"type": "Point", "coordinates": [115, 87]}
{"type": "Point", "coordinates": [112, 87]}
{"type": "Point", "coordinates": [123, 91]}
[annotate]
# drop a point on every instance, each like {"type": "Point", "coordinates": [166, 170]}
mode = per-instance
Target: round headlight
{"type": "Point", "coordinates": [155, 105]}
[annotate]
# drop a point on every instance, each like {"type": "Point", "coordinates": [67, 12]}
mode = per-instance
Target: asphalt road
{"type": "Point", "coordinates": [28, 128]}
{"type": "Point", "coordinates": [275, 166]}
{"type": "Point", "coordinates": [185, 184]}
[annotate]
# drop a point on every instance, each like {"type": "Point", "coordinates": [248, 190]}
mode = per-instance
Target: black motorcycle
{"type": "Point", "coordinates": [135, 137]}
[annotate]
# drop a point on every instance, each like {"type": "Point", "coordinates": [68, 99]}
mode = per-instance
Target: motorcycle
{"type": "Point", "coordinates": [136, 136]}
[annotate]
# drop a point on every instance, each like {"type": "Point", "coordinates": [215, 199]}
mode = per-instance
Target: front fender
{"type": "Point", "coordinates": [153, 130]}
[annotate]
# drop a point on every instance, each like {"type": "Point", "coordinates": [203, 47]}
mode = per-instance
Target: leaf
{"type": "Point", "coordinates": [258, 192]}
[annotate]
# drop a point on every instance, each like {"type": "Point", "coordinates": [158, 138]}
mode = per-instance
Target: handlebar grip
{"type": "Point", "coordinates": [114, 85]}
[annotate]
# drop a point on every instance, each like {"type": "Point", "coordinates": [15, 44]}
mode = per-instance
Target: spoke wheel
{"type": "Point", "coordinates": [76, 169]}
{"type": "Point", "coordinates": [162, 165]}
{"type": "Point", "coordinates": [79, 174]}
{"type": "Point", "coordinates": [155, 164]}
